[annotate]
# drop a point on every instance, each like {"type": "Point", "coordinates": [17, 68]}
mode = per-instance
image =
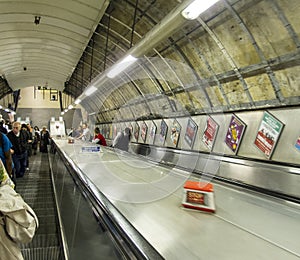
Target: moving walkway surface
{"type": "Point", "coordinates": [246, 225]}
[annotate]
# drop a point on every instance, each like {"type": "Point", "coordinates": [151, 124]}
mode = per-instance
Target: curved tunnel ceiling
{"type": "Point", "coordinates": [42, 41]}
{"type": "Point", "coordinates": [240, 54]}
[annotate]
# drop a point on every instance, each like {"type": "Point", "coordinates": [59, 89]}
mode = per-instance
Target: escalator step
{"type": "Point", "coordinates": [42, 240]}
{"type": "Point", "coordinates": [45, 253]}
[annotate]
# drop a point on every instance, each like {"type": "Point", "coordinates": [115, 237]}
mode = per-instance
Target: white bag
{"type": "Point", "coordinates": [19, 219]}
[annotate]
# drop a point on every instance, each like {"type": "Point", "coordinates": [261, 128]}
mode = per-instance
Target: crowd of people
{"type": "Point", "coordinates": [18, 142]}
{"type": "Point", "coordinates": [121, 141]}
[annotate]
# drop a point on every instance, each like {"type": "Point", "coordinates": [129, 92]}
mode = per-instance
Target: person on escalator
{"type": "Point", "coordinates": [98, 137]}
{"type": "Point", "coordinates": [86, 134]}
{"type": "Point", "coordinates": [122, 140]}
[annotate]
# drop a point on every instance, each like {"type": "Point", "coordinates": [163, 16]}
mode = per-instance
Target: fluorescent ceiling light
{"type": "Point", "coordinates": [6, 110]}
{"type": "Point", "coordinates": [77, 101]}
{"type": "Point", "coordinates": [196, 8]}
{"type": "Point", "coordinates": [121, 66]}
{"type": "Point", "coordinates": [66, 110]}
{"type": "Point", "coordinates": [90, 90]}
{"type": "Point", "coordinates": [70, 107]}
{"type": "Point", "coordinates": [62, 113]}
{"type": "Point", "coordinates": [0, 107]}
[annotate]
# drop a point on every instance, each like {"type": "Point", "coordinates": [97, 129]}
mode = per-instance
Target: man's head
{"type": "Point", "coordinates": [16, 127]}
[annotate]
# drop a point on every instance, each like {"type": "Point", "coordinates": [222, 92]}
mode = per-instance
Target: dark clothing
{"type": "Point", "coordinates": [3, 129]}
{"type": "Point", "coordinates": [36, 139]}
{"type": "Point", "coordinates": [20, 161]}
{"type": "Point", "coordinates": [19, 146]}
{"type": "Point", "coordinates": [44, 141]}
{"type": "Point", "coordinates": [122, 142]}
{"type": "Point", "coordinates": [19, 143]}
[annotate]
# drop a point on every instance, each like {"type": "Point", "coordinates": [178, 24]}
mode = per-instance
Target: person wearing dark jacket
{"type": "Point", "coordinates": [122, 140]}
{"type": "Point", "coordinates": [44, 140]}
{"type": "Point", "coordinates": [19, 140]}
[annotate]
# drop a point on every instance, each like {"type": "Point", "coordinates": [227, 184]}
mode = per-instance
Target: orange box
{"type": "Point", "coordinates": [199, 195]}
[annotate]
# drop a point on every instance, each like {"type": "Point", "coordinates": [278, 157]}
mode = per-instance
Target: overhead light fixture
{"type": "Point", "coordinates": [0, 107]}
{"type": "Point", "coordinates": [70, 107]}
{"type": "Point", "coordinates": [77, 101]}
{"type": "Point", "coordinates": [90, 90]}
{"type": "Point", "coordinates": [62, 113]}
{"type": "Point", "coordinates": [66, 110]}
{"type": "Point", "coordinates": [121, 66]}
{"type": "Point", "coordinates": [196, 8]}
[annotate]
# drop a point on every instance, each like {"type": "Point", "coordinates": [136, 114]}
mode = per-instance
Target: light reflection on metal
{"type": "Point", "coordinates": [121, 66]}
{"type": "Point", "coordinates": [196, 8]}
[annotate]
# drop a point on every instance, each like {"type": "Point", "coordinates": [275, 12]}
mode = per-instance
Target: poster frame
{"type": "Point", "coordinates": [144, 130]}
{"type": "Point", "coordinates": [136, 131]}
{"type": "Point", "coordinates": [152, 138]}
{"type": "Point", "coordinates": [175, 135]}
{"type": "Point", "coordinates": [268, 155]}
{"type": "Point", "coordinates": [163, 135]}
{"type": "Point", "coordinates": [190, 140]}
{"type": "Point", "coordinates": [239, 136]}
{"type": "Point", "coordinates": [297, 144]}
{"type": "Point", "coordinates": [210, 144]}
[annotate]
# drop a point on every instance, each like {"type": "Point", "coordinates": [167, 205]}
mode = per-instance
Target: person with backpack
{"type": "Point", "coordinates": [122, 140]}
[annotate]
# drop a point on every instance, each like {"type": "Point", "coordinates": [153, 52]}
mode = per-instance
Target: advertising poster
{"type": "Point", "coordinates": [163, 132]}
{"type": "Point", "coordinates": [152, 132]}
{"type": "Point", "coordinates": [210, 133]}
{"type": "Point", "coordinates": [115, 127]}
{"type": "Point", "coordinates": [144, 129]}
{"type": "Point", "coordinates": [268, 134]}
{"type": "Point", "coordinates": [110, 132]}
{"type": "Point", "coordinates": [175, 132]}
{"type": "Point", "coordinates": [190, 133]}
{"type": "Point", "coordinates": [297, 144]}
{"type": "Point", "coordinates": [136, 131]}
{"type": "Point", "coordinates": [235, 133]}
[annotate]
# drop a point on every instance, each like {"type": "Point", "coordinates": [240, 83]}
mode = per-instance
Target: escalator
{"type": "Point", "coordinates": [87, 238]}
{"type": "Point", "coordinates": [36, 189]}
{"type": "Point", "coordinates": [74, 223]}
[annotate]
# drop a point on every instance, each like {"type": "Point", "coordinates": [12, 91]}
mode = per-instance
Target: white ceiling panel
{"type": "Point", "coordinates": [46, 53]}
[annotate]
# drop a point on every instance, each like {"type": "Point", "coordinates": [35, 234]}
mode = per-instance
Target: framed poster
{"type": "Point", "coordinates": [110, 131]}
{"type": "Point", "coordinates": [268, 134]}
{"type": "Point", "coordinates": [235, 133]}
{"type": "Point", "coordinates": [152, 132]}
{"type": "Point", "coordinates": [297, 144]}
{"type": "Point", "coordinates": [144, 129]}
{"type": "Point", "coordinates": [190, 133]}
{"type": "Point", "coordinates": [163, 132]}
{"type": "Point", "coordinates": [115, 130]}
{"type": "Point", "coordinates": [175, 132]}
{"type": "Point", "coordinates": [136, 131]}
{"type": "Point", "coordinates": [210, 133]}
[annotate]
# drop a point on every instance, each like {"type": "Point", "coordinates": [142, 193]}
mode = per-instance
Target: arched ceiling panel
{"type": "Point", "coordinates": [53, 32]}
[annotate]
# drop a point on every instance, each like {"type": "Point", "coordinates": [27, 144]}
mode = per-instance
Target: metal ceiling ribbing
{"type": "Point", "coordinates": [244, 54]}
{"type": "Point", "coordinates": [45, 54]}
